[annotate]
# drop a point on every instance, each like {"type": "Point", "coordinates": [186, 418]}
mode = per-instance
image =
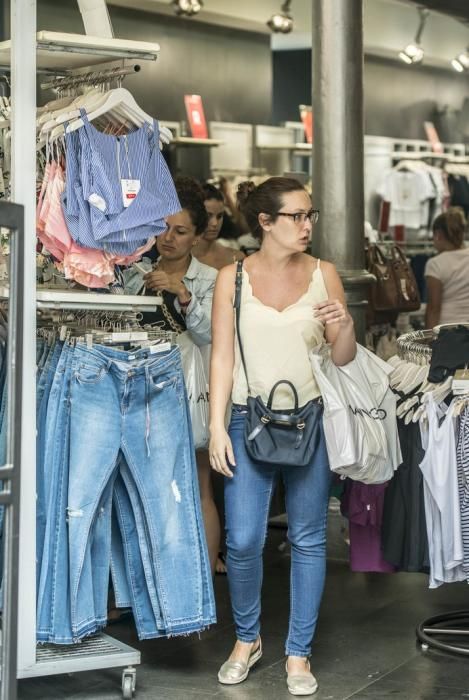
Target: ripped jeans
{"type": "Point", "coordinates": [131, 444]}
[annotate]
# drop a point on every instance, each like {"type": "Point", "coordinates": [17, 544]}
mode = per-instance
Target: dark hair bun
{"type": "Point", "coordinates": [188, 184]}
{"type": "Point", "coordinates": [191, 198]}
{"type": "Point", "coordinates": [244, 190]}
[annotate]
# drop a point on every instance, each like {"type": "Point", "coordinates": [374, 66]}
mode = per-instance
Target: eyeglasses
{"type": "Point", "coordinates": [300, 217]}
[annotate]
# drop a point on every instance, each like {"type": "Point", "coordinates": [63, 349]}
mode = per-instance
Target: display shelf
{"type": "Point", "coordinates": [70, 299]}
{"type": "Point", "coordinates": [97, 652]}
{"type": "Point", "coordinates": [303, 149]}
{"type": "Point", "coordinates": [58, 50]}
{"type": "Point", "coordinates": [418, 155]}
{"type": "Point", "coordinates": [191, 141]}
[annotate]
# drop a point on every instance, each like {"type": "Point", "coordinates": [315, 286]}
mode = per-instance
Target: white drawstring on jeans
{"type": "Point", "coordinates": [147, 410]}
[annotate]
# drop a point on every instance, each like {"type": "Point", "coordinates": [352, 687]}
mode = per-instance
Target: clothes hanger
{"type": "Point", "coordinates": [89, 101]}
{"type": "Point", "coordinates": [438, 395]}
{"type": "Point", "coordinates": [413, 377]}
{"type": "Point", "coordinates": [118, 98]}
{"type": "Point", "coordinates": [86, 100]}
{"type": "Point", "coordinates": [399, 373]}
{"type": "Point", "coordinates": [59, 103]}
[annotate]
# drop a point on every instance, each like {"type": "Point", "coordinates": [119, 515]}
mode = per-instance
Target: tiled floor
{"type": "Point", "coordinates": [365, 646]}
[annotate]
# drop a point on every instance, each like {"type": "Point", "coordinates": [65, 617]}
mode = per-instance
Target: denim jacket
{"type": "Point", "coordinates": [199, 280]}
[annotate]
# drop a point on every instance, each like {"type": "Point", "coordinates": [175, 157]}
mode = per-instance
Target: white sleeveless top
{"type": "Point", "coordinates": [276, 345]}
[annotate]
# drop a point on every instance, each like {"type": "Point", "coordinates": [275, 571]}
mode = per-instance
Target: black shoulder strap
{"type": "Point", "coordinates": [237, 308]}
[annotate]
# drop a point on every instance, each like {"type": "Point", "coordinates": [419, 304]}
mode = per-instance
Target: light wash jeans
{"type": "Point", "coordinates": [247, 501]}
{"type": "Point", "coordinates": [53, 600]}
{"type": "Point", "coordinates": [134, 404]}
{"type": "Point", "coordinates": [44, 387]}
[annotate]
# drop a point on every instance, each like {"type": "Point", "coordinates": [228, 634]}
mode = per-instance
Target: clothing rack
{"type": "Point", "coordinates": [92, 78]}
{"type": "Point", "coordinates": [60, 54]}
{"type": "Point", "coordinates": [415, 347]}
{"type": "Point", "coordinates": [452, 627]}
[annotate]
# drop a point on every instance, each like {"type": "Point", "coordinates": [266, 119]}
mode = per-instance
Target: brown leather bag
{"type": "Point", "coordinates": [383, 293]}
{"type": "Point", "coordinates": [395, 288]}
{"type": "Point", "coordinates": [408, 297]}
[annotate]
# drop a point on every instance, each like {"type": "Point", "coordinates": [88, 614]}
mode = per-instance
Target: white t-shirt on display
{"type": "Point", "coordinates": [452, 269]}
{"type": "Point", "coordinates": [441, 495]}
{"type": "Point", "coordinates": [407, 192]}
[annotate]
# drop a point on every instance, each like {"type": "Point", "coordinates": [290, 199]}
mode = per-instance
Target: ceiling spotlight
{"type": "Point", "coordinates": [281, 22]}
{"type": "Point", "coordinates": [413, 52]}
{"type": "Point", "coordinates": [188, 8]}
{"type": "Point", "coordinates": [461, 62]}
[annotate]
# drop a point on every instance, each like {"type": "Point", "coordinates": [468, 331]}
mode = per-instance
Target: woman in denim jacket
{"type": "Point", "coordinates": [185, 284]}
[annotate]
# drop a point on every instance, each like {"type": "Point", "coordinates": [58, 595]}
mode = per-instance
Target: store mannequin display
{"type": "Point", "coordinates": [290, 302]}
{"type": "Point", "coordinates": [209, 251]}
{"type": "Point", "coordinates": [447, 273]}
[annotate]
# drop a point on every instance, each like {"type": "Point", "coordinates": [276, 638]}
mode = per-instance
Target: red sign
{"type": "Point", "coordinates": [196, 116]}
{"type": "Point", "coordinates": [306, 114]}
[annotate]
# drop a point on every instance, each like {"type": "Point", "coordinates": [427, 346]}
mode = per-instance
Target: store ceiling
{"type": "Point", "coordinates": [389, 25]}
{"type": "Point", "coordinates": [459, 9]}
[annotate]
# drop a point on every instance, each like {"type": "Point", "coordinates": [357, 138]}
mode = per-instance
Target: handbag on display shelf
{"type": "Point", "coordinates": [288, 437]}
{"type": "Point", "coordinates": [408, 297]}
{"type": "Point", "coordinates": [395, 288]}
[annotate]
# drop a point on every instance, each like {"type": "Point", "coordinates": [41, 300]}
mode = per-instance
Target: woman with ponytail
{"type": "Point", "coordinates": [447, 274]}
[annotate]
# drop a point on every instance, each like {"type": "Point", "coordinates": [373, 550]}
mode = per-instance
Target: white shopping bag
{"type": "Point", "coordinates": [359, 415]}
{"type": "Point", "coordinates": [197, 388]}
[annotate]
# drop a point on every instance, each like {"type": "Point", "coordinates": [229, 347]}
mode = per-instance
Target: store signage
{"type": "Point", "coordinates": [196, 116]}
{"type": "Point", "coordinates": [306, 114]}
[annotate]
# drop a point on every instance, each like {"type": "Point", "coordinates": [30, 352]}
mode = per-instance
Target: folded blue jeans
{"type": "Point", "coordinates": [247, 502]}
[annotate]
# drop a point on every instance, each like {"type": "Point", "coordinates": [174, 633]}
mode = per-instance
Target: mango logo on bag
{"type": "Point", "coordinates": [203, 396]}
{"type": "Point", "coordinates": [375, 413]}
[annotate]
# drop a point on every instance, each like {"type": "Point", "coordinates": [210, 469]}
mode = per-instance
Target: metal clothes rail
{"type": "Point", "coordinates": [91, 78]}
{"type": "Point", "coordinates": [12, 218]}
{"type": "Point", "coordinates": [448, 632]}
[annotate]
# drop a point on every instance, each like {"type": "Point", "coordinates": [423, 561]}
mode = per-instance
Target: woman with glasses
{"type": "Point", "coordinates": [290, 302]}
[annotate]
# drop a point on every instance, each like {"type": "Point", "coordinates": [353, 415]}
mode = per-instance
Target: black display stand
{"type": "Point", "coordinates": [451, 627]}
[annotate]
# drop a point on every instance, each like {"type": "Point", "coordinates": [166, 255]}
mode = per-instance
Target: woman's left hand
{"type": "Point", "coordinates": [332, 311]}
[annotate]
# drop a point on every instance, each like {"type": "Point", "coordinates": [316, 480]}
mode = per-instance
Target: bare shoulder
{"type": "Point", "coordinates": [328, 269]}
{"type": "Point", "coordinates": [227, 255]}
{"type": "Point", "coordinates": [331, 279]}
{"type": "Point", "coordinates": [226, 279]}
{"type": "Point", "coordinates": [326, 266]}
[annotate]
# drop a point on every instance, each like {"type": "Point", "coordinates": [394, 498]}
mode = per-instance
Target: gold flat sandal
{"type": "Point", "coordinates": [301, 684]}
{"type": "Point", "coordinates": [233, 672]}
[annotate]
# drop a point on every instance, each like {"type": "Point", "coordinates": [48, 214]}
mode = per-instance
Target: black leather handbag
{"type": "Point", "coordinates": [289, 437]}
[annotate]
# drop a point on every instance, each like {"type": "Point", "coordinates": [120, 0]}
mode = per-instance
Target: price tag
{"type": "Point", "coordinates": [460, 383]}
{"type": "Point", "coordinates": [161, 347]}
{"type": "Point", "coordinates": [130, 189]}
{"type": "Point", "coordinates": [128, 336]}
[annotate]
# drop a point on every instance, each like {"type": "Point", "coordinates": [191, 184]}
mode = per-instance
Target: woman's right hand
{"type": "Point", "coordinates": [221, 452]}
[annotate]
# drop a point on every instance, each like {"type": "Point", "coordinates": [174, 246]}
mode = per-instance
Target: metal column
{"type": "Point", "coordinates": [338, 180]}
{"type": "Point", "coordinates": [23, 152]}
{"type": "Point", "coordinates": [11, 217]}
